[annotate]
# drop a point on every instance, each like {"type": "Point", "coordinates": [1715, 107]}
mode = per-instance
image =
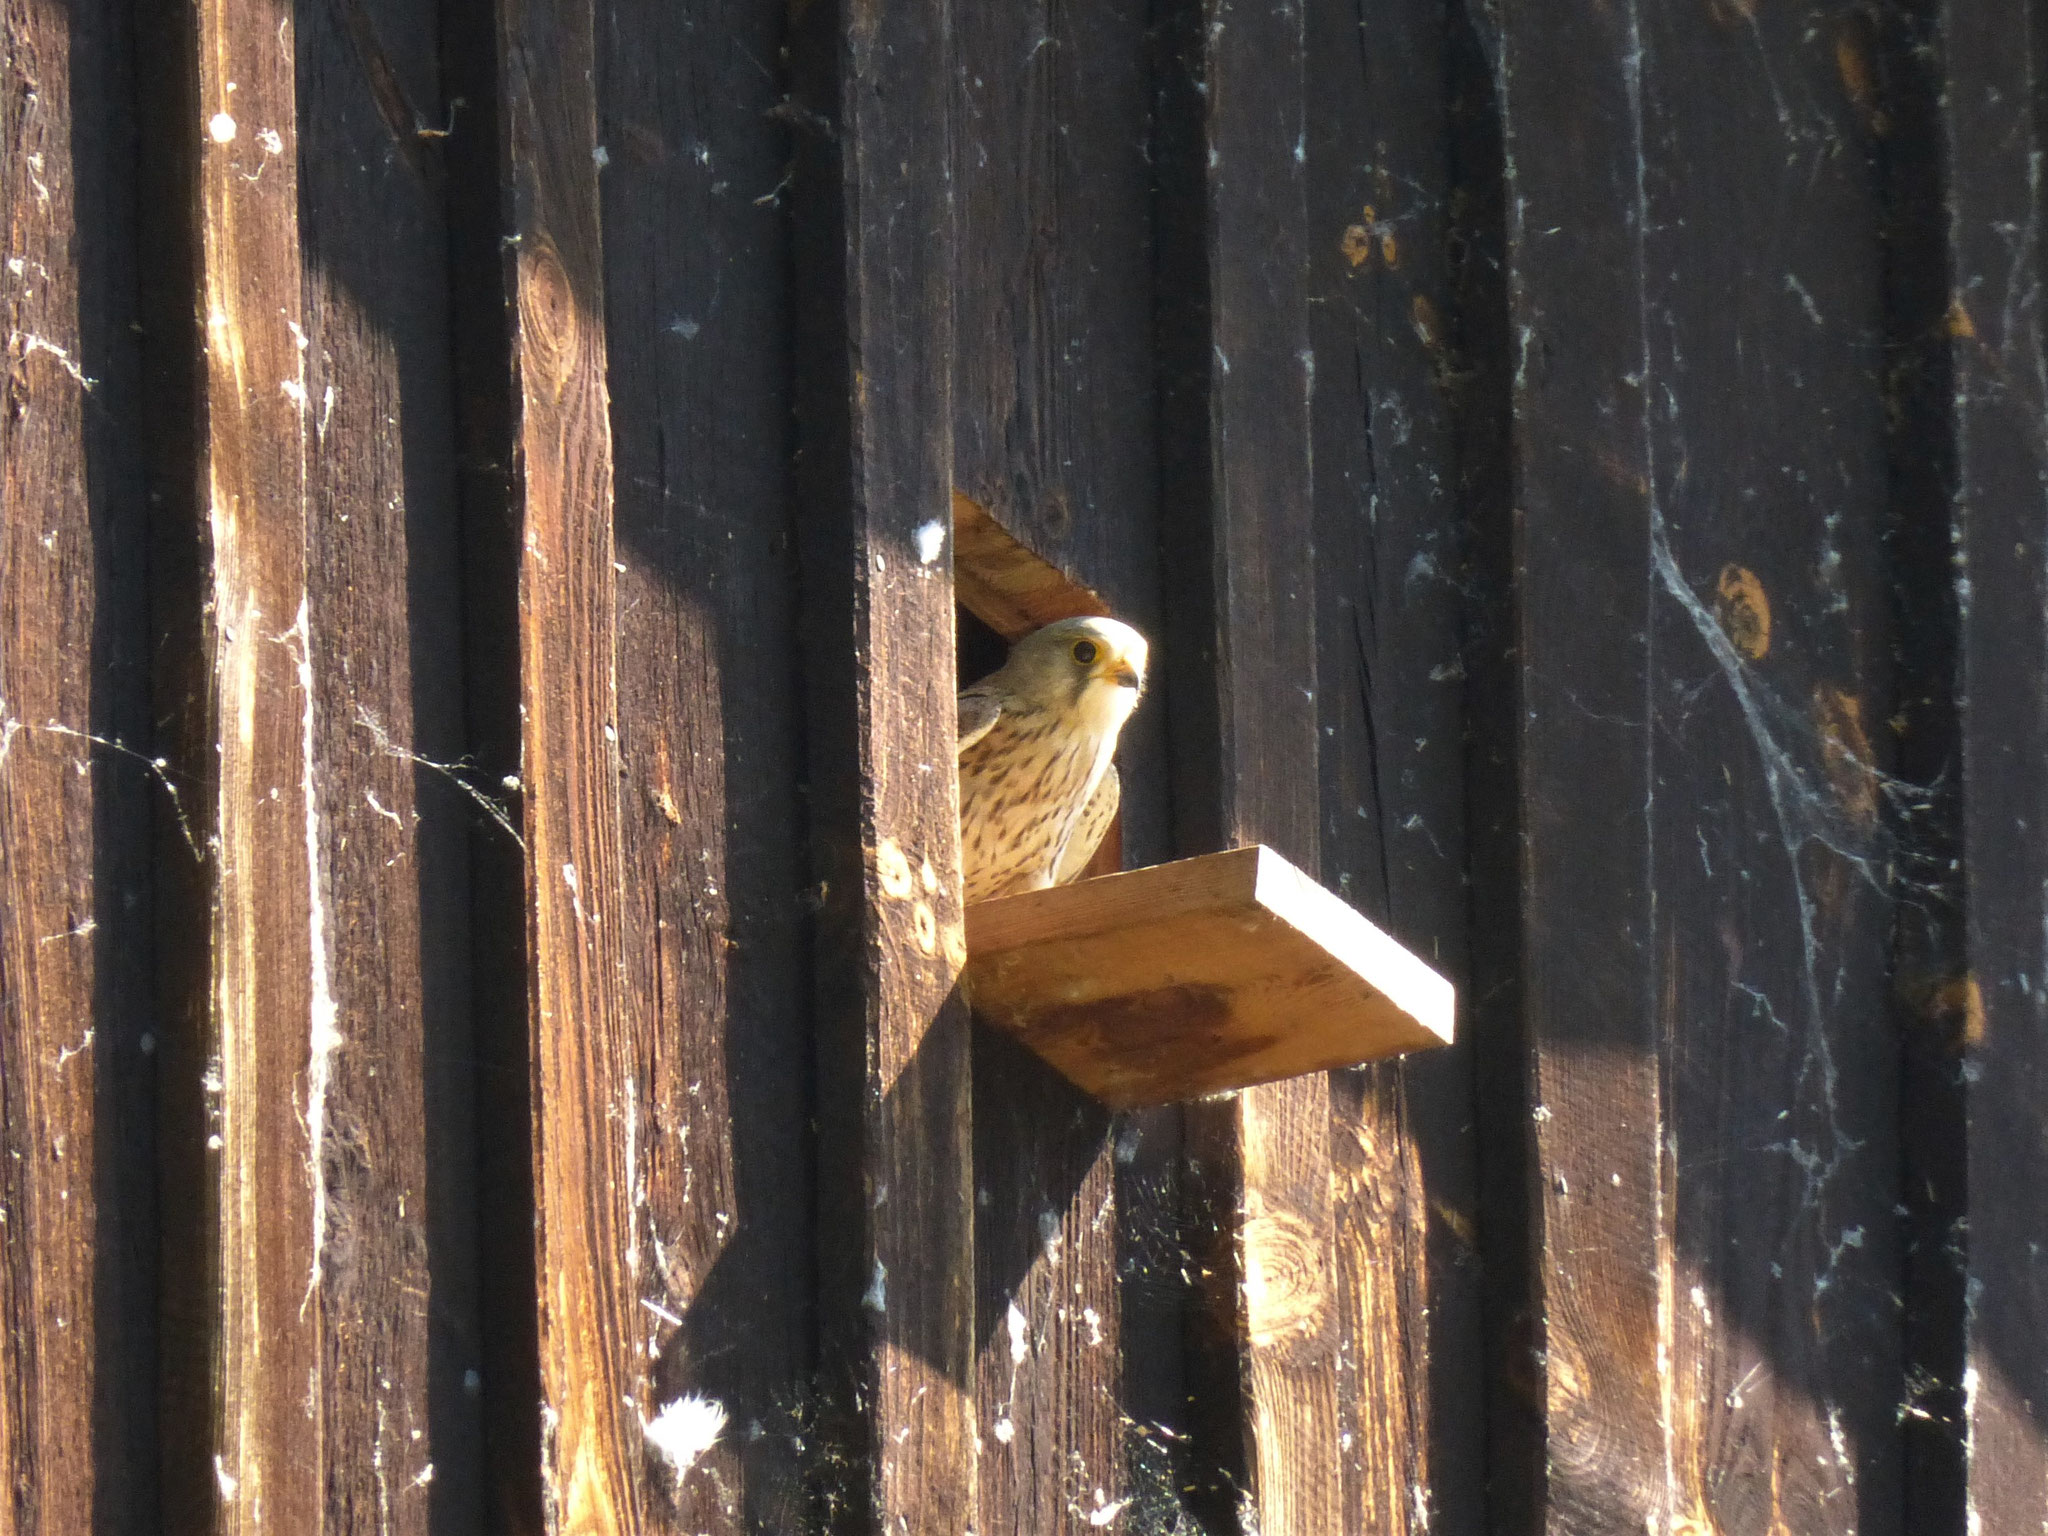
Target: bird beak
{"type": "Point", "coordinates": [1127, 677]}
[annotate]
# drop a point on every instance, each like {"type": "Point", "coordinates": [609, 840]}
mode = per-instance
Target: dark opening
{"type": "Point", "coordinates": [981, 649]}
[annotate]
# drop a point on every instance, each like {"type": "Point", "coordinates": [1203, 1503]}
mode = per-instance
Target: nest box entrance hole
{"type": "Point", "coordinates": [1003, 590]}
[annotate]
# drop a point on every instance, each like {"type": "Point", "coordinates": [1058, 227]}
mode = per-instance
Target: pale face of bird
{"type": "Point", "coordinates": [1092, 670]}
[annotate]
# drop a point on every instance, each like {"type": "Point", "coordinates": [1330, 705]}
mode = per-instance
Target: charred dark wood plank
{"type": "Point", "coordinates": [710, 723]}
{"type": "Point", "coordinates": [1998, 1006]}
{"type": "Point", "coordinates": [1391, 622]}
{"type": "Point", "coordinates": [874, 269]}
{"type": "Point", "coordinates": [77, 1262]}
{"type": "Point", "coordinates": [1240, 665]}
{"type": "Point", "coordinates": [1705, 669]}
{"type": "Point", "coordinates": [1054, 405]}
{"type": "Point", "coordinates": [1491, 1020]}
{"type": "Point", "coordinates": [1054, 437]}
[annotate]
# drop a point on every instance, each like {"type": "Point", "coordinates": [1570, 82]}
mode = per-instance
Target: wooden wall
{"type": "Point", "coordinates": [480, 1042]}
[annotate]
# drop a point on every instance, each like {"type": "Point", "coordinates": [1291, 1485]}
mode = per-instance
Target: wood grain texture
{"type": "Point", "coordinates": [1798, 590]}
{"type": "Point", "coordinates": [1391, 621]}
{"type": "Point", "coordinates": [597, 1475]}
{"type": "Point", "coordinates": [710, 722]}
{"type": "Point", "coordinates": [1054, 401]}
{"type": "Point", "coordinates": [1055, 432]}
{"type": "Point", "coordinates": [318, 1291]}
{"type": "Point", "coordinates": [1196, 977]}
{"type": "Point", "coordinates": [77, 1256]}
{"type": "Point", "coordinates": [1581, 550]}
{"type": "Point", "coordinates": [1995, 134]}
{"type": "Point", "coordinates": [398, 1267]}
{"type": "Point", "coordinates": [1240, 662]}
{"type": "Point", "coordinates": [874, 270]}
{"type": "Point", "coordinates": [1005, 584]}
{"type": "Point", "coordinates": [248, 1067]}
{"type": "Point", "coordinates": [1705, 638]}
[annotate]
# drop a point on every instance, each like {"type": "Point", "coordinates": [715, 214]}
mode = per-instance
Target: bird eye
{"type": "Point", "coordinates": [1085, 651]}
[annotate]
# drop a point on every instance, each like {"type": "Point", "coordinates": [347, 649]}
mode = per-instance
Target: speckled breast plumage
{"type": "Point", "coordinates": [1021, 787]}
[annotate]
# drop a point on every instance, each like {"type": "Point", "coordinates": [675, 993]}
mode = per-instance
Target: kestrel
{"type": "Point", "coordinates": [1037, 787]}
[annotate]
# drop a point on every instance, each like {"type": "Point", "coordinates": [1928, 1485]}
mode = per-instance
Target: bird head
{"type": "Point", "coordinates": [1093, 666]}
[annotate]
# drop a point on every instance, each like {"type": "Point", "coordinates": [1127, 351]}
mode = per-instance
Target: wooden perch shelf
{"type": "Point", "coordinates": [1198, 976]}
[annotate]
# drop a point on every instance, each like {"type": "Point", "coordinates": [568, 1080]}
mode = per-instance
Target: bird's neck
{"type": "Point", "coordinates": [1104, 707]}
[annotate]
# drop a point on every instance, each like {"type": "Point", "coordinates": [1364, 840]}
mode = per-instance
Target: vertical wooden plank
{"type": "Point", "coordinates": [1995, 57]}
{"type": "Point", "coordinates": [1390, 615]}
{"type": "Point", "coordinates": [1490, 1018]}
{"type": "Point", "coordinates": [596, 1471]}
{"type": "Point", "coordinates": [254, 1062]}
{"type": "Point", "coordinates": [875, 265]}
{"type": "Point", "coordinates": [710, 721]}
{"type": "Point", "coordinates": [77, 1265]}
{"type": "Point", "coordinates": [1054, 434]}
{"type": "Point", "coordinates": [1241, 678]}
{"type": "Point", "coordinates": [397, 1181]}
{"type": "Point", "coordinates": [1582, 551]}
{"type": "Point", "coordinates": [1055, 414]}
{"type": "Point", "coordinates": [317, 1285]}
{"type": "Point", "coordinates": [1783, 1110]}
{"type": "Point", "coordinates": [1048, 1374]}
{"type": "Point", "coordinates": [1704, 653]}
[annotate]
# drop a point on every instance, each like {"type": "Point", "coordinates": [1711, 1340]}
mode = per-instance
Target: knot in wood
{"type": "Point", "coordinates": [1286, 1289]}
{"type": "Point", "coordinates": [548, 310]}
{"type": "Point", "coordinates": [1744, 611]}
{"type": "Point", "coordinates": [1586, 1442]}
{"type": "Point", "coordinates": [892, 870]}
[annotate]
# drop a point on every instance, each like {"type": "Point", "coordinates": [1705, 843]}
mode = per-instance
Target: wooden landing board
{"type": "Point", "coordinates": [1198, 976]}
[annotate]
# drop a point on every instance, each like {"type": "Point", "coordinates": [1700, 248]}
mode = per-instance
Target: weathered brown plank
{"type": "Point", "coordinates": [1196, 977]}
{"type": "Point", "coordinates": [399, 1272]}
{"type": "Point", "coordinates": [1998, 1007]}
{"type": "Point", "coordinates": [710, 723]}
{"type": "Point", "coordinates": [1240, 664]}
{"type": "Point", "coordinates": [317, 1285]}
{"type": "Point", "coordinates": [250, 1065]}
{"type": "Point", "coordinates": [597, 1472]}
{"type": "Point", "coordinates": [1055, 436]}
{"type": "Point", "coordinates": [1054, 404]}
{"type": "Point", "coordinates": [1704, 662]}
{"type": "Point", "coordinates": [77, 1265]}
{"type": "Point", "coordinates": [1391, 620]}
{"type": "Point", "coordinates": [874, 270]}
